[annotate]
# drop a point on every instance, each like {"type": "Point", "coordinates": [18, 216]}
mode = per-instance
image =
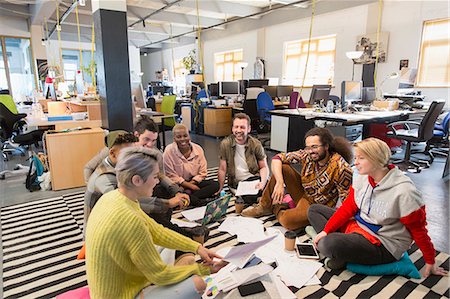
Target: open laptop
{"type": "Point", "coordinates": [215, 209]}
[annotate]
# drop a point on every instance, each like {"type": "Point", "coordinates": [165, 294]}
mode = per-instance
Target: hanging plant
{"type": "Point", "coordinates": [189, 62]}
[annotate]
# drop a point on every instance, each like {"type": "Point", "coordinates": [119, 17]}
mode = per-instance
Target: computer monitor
{"type": "Point", "coordinates": [318, 93]}
{"type": "Point", "coordinates": [271, 90]}
{"type": "Point", "coordinates": [351, 91]}
{"type": "Point", "coordinates": [368, 95]}
{"type": "Point", "coordinates": [158, 89]}
{"type": "Point", "coordinates": [199, 84]}
{"type": "Point", "coordinates": [284, 90]}
{"type": "Point", "coordinates": [228, 88]}
{"type": "Point", "coordinates": [258, 82]}
{"type": "Point", "coordinates": [213, 89]}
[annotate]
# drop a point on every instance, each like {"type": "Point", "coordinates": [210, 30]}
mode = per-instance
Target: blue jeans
{"type": "Point", "coordinates": [182, 290]}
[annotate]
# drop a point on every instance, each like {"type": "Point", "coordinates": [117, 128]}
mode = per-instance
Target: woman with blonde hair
{"type": "Point", "coordinates": [380, 218]}
{"type": "Point", "coordinates": [121, 258]}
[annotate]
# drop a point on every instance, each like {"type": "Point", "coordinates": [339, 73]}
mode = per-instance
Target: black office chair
{"type": "Point", "coordinates": [11, 136]}
{"type": "Point", "coordinates": [415, 131]}
{"type": "Point", "coordinates": [438, 144]}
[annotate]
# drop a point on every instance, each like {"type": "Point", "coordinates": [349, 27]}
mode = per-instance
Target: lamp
{"type": "Point", "coordinates": [379, 91]}
{"type": "Point", "coordinates": [242, 65]}
{"type": "Point", "coordinates": [353, 55]}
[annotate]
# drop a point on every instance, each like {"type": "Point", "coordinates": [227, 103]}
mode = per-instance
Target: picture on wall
{"type": "Point", "coordinates": [368, 44]}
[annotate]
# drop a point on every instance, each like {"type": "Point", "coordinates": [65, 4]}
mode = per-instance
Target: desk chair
{"type": "Point", "coordinates": [168, 107]}
{"type": "Point", "coordinates": [8, 101]}
{"type": "Point", "coordinates": [295, 100]}
{"type": "Point", "coordinates": [264, 104]}
{"type": "Point", "coordinates": [250, 107]}
{"type": "Point", "coordinates": [201, 95]}
{"type": "Point", "coordinates": [438, 144]}
{"type": "Point", "coordinates": [11, 137]}
{"type": "Point", "coordinates": [415, 131]}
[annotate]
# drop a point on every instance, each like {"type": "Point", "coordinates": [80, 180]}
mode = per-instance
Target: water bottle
{"type": "Point", "coordinates": [330, 106]}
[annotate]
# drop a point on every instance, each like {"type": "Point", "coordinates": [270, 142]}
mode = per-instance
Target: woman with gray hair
{"type": "Point", "coordinates": [121, 258]}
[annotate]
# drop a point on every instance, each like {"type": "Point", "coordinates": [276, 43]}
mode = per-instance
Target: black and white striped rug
{"type": "Point", "coordinates": [41, 240]}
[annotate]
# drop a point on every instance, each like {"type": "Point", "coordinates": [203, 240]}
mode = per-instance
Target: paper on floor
{"type": "Point", "coordinates": [182, 223]}
{"type": "Point", "coordinates": [247, 230]}
{"type": "Point", "coordinates": [194, 214]}
{"type": "Point", "coordinates": [240, 255]}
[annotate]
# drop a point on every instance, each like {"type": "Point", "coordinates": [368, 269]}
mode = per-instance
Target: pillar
{"type": "Point", "coordinates": [113, 69]}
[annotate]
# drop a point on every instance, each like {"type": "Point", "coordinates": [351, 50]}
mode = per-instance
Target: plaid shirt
{"type": "Point", "coordinates": [103, 180]}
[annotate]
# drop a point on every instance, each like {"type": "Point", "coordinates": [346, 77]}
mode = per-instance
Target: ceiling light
{"type": "Point", "coordinates": [145, 54]}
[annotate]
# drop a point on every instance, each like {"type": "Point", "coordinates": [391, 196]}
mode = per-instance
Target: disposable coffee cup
{"type": "Point", "coordinates": [239, 205]}
{"type": "Point", "coordinates": [289, 240]}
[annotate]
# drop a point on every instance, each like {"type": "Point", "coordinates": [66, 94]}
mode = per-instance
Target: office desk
{"type": "Point", "coordinates": [91, 107]}
{"type": "Point", "coordinates": [158, 118]}
{"type": "Point", "coordinates": [62, 124]}
{"type": "Point", "coordinates": [217, 121]}
{"type": "Point", "coordinates": [68, 153]}
{"type": "Point", "coordinates": [289, 126]}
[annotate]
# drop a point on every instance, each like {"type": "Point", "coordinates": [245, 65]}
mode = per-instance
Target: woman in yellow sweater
{"type": "Point", "coordinates": [121, 259]}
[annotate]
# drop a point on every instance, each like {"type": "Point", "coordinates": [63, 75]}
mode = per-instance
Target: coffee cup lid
{"type": "Point", "coordinates": [290, 234]}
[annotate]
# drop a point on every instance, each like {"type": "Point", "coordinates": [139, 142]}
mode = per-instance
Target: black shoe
{"type": "Point", "coordinates": [200, 231]}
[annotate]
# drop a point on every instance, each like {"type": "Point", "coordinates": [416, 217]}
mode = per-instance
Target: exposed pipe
{"type": "Point", "coordinates": [155, 12]}
{"type": "Point", "coordinates": [63, 17]}
{"type": "Point", "coordinates": [227, 22]}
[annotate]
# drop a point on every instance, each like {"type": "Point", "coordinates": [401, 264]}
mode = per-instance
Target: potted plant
{"type": "Point", "coordinates": [190, 61]}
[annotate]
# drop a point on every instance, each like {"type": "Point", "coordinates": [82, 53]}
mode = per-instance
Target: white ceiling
{"type": "Point", "coordinates": [163, 19]}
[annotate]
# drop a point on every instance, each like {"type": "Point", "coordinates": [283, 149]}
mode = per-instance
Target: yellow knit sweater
{"type": "Point", "coordinates": [121, 258]}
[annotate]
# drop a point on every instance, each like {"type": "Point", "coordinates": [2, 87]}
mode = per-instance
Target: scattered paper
{"type": "Point", "coordinates": [241, 276]}
{"type": "Point", "coordinates": [182, 223]}
{"type": "Point", "coordinates": [296, 272]}
{"type": "Point", "coordinates": [313, 281]}
{"type": "Point", "coordinates": [283, 291]}
{"type": "Point", "coordinates": [240, 255]}
{"type": "Point", "coordinates": [194, 214]}
{"type": "Point", "coordinates": [247, 229]}
{"type": "Point", "coordinates": [247, 188]}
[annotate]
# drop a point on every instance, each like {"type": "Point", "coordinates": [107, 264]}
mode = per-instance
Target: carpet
{"type": "Point", "coordinates": [42, 238]}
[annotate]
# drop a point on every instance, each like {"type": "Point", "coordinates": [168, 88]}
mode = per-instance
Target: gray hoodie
{"type": "Point", "coordinates": [394, 197]}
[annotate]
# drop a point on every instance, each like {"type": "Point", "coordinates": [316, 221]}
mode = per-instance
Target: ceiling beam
{"type": "Point", "coordinates": [177, 19]}
{"type": "Point", "coordinates": [156, 12]}
{"type": "Point", "coordinates": [63, 17]}
{"type": "Point", "coordinates": [225, 7]}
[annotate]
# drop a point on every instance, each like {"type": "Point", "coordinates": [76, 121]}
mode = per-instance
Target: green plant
{"type": "Point", "coordinates": [189, 61]}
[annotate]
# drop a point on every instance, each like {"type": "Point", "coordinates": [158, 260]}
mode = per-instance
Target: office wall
{"type": "Point", "coordinates": [347, 24]}
{"type": "Point", "coordinates": [401, 19]}
{"type": "Point", "coordinates": [162, 59]}
{"type": "Point", "coordinates": [246, 41]}
{"type": "Point", "coordinates": [13, 26]}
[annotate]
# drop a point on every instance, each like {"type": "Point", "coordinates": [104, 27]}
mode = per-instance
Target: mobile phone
{"type": "Point", "coordinates": [306, 251]}
{"type": "Point", "coordinates": [251, 288]}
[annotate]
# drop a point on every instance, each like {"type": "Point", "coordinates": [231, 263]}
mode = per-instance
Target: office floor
{"type": "Point", "coordinates": [434, 189]}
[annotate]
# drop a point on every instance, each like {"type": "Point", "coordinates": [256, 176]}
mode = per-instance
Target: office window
{"type": "Point", "coordinates": [16, 67]}
{"type": "Point", "coordinates": [320, 70]}
{"type": "Point", "coordinates": [434, 57]}
{"type": "Point", "coordinates": [179, 82]}
{"type": "Point", "coordinates": [226, 65]}
{"type": "Point", "coordinates": [71, 64]}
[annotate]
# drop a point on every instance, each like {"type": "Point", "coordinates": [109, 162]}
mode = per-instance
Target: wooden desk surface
{"type": "Point", "coordinates": [63, 124]}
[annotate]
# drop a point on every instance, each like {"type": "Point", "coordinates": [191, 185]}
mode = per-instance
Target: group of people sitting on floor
{"type": "Point", "coordinates": [132, 189]}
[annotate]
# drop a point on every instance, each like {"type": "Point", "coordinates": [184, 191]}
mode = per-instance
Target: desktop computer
{"type": "Point", "coordinates": [351, 92]}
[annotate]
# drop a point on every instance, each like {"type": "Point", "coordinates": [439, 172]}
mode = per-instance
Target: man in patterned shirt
{"type": "Point", "coordinates": [325, 178]}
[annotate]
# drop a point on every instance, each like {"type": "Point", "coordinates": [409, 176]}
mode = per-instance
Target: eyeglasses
{"type": "Point", "coordinates": [313, 147]}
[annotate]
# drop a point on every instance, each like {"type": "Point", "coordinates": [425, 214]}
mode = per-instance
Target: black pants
{"type": "Point", "coordinates": [251, 199]}
{"type": "Point", "coordinates": [348, 248]}
{"type": "Point", "coordinates": [207, 190]}
{"type": "Point", "coordinates": [164, 217]}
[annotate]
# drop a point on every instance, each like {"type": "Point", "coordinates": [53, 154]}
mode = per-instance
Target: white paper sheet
{"type": "Point", "coordinates": [240, 255]}
{"type": "Point", "coordinates": [247, 188]}
{"type": "Point", "coordinates": [194, 214]}
{"type": "Point", "coordinates": [182, 223]}
{"type": "Point", "coordinates": [313, 281]}
{"type": "Point", "coordinates": [283, 290]}
{"type": "Point", "coordinates": [296, 272]}
{"type": "Point", "coordinates": [247, 229]}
